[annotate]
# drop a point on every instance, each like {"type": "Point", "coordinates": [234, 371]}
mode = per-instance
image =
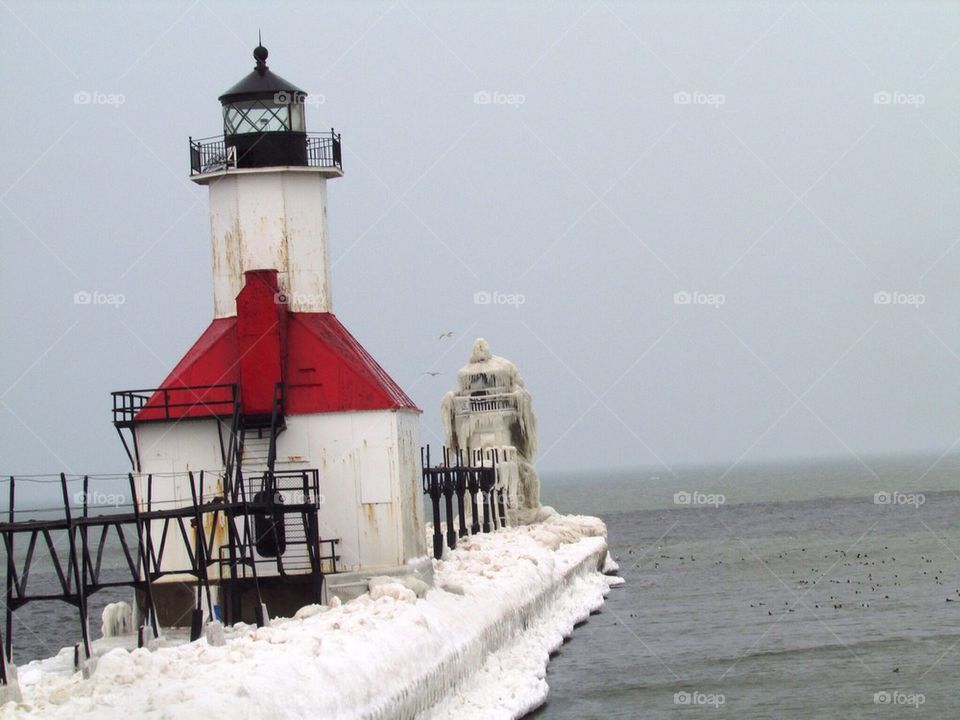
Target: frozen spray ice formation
{"type": "Point", "coordinates": [492, 412]}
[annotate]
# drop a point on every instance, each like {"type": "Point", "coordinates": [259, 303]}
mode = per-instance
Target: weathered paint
{"type": "Point", "coordinates": [169, 451]}
{"type": "Point", "coordinates": [373, 536]}
{"type": "Point", "coordinates": [272, 219]}
{"type": "Point", "coordinates": [272, 322]}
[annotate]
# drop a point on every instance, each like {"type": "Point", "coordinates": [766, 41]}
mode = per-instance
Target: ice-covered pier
{"type": "Point", "coordinates": [475, 645]}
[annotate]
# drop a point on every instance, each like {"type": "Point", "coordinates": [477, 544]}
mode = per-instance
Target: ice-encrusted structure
{"type": "Point", "coordinates": [117, 620]}
{"type": "Point", "coordinates": [474, 646]}
{"type": "Point", "coordinates": [492, 412]}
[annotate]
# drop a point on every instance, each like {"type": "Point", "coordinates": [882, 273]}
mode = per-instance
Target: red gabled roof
{"type": "Point", "coordinates": [325, 370]}
{"type": "Point", "coordinates": [328, 370]}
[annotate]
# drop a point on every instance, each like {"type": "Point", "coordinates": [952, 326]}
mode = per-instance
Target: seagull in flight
{"type": "Point", "coordinates": [432, 373]}
{"type": "Point", "coordinates": [447, 334]}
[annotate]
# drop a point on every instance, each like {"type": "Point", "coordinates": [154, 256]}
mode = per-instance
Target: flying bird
{"type": "Point", "coordinates": [447, 334]}
{"type": "Point", "coordinates": [432, 373]}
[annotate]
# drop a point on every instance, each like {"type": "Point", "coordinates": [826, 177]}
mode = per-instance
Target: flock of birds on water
{"type": "Point", "coordinates": [878, 588]}
{"type": "Point", "coordinates": [867, 579]}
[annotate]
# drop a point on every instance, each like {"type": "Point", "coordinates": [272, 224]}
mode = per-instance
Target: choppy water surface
{"type": "Point", "coordinates": [803, 607]}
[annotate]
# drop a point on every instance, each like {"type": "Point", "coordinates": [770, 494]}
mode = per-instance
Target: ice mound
{"type": "Point", "coordinates": [394, 590]}
{"type": "Point", "coordinates": [415, 585]}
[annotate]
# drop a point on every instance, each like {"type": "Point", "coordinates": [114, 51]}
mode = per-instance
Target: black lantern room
{"type": "Point", "coordinates": [263, 118]}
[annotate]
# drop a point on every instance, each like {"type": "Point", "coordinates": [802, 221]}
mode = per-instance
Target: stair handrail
{"type": "Point", "coordinates": [232, 459]}
{"type": "Point", "coordinates": [275, 414]}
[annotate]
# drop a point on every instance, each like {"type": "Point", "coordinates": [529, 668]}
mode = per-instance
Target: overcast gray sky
{"type": "Point", "coordinates": [738, 152]}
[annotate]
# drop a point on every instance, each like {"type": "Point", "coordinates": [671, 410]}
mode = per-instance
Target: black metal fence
{"type": "Point", "coordinates": [173, 402]}
{"type": "Point", "coordinates": [209, 155]}
{"type": "Point", "coordinates": [323, 150]}
{"type": "Point", "coordinates": [468, 490]}
{"type": "Point", "coordinates": [144, 531]}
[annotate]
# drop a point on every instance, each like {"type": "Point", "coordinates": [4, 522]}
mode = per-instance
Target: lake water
{"type": "Point", "coordinates": [799, 596]}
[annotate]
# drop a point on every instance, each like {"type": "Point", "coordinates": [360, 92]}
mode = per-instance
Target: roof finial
{"type": "Point", "coordinates": [260, 54]}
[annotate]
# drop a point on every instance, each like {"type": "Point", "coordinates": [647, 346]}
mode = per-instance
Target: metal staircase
{"type": "Point", "coordinates": [254, 455]}
{"type": "Point", "coordinates": [260, 495]}
{"type": "Point", "coordinates": [288, 542]}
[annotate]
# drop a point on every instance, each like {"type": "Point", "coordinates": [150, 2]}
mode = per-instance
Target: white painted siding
{"type": "Point", "coordinates": [265, 220]}
{"type": "Point", "coordinates": [369, 465]}
{"type": "Point", "coordinates": [169, 451]}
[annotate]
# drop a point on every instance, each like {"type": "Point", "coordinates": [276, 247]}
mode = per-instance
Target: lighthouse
{"type": "Point", "coordinates": [276, 399]}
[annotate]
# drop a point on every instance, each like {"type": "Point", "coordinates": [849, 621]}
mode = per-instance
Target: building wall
{"type": "Point", "coordinates": [369, 465]}
{"type": "Point", "coordinates": [169, 451]}
{"type": "Point", "coordinates": [414, 541]}
{"type": "Point", "coordinates": [271, 219]}
{"type": "Point", "coordinates": [369, 477]}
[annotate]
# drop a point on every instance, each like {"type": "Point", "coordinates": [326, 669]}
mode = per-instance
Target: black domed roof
{"type": "Point", "coordinates": [261, 83]}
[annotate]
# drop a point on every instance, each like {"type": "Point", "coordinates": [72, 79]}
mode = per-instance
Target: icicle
{"type": "Point", "coordinates": [448, 414]}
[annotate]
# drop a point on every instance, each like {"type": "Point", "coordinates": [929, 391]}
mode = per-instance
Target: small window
{"type": "Point", "coordinates": [297, 123]}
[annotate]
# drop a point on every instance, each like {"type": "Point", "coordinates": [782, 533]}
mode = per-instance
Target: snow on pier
{"type": "Point", "coordinates": [475, 645]}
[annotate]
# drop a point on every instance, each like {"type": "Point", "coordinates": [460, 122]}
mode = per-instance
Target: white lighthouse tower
{"type": "Point", "coordinates": [276, 394]}
{"type": "Point", "coordinates": [268, 192]}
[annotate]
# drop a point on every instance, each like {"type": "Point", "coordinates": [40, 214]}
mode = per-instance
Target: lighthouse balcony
{"type": "Point", "coordinates": [260, 152]}
{"type": "Point", "coordinates": [497, 402]}
{"type": "Point", "coordinates": [173, 403]}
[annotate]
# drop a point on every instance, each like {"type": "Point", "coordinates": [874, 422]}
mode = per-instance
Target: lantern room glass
{"type": "Point", "coordinates": [260, 116]}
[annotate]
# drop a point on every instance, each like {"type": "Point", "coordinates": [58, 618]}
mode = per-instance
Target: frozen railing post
{"type": "Point", "coordinates": [501, 505]}
{"type": "Point", "coordinates": [473, 485]}
{"type": "Point", "coordinates": [486, 486]}
{"type": "Point", "coordinates": [448, 487]}
{"type": "Point", "coordinates": [455, 478]}
{"type": "Point", "coordinates": [461, 487]}
{"type": "Point", "coordinates": [431, 487]}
